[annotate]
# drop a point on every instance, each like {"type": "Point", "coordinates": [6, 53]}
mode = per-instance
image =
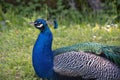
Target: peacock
{"type": "Point", "coordinates": [84, 61]}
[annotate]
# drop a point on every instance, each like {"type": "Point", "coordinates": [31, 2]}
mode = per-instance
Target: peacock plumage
{"type": "Point", "coordinates": [111, 53]}
{"type": "Point", "coordinates": [75, 62]}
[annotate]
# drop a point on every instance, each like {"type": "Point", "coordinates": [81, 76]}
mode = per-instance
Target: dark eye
{"type": "Point", "coordinates": [37, 23]}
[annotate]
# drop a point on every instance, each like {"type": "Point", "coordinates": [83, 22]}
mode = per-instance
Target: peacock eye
{"type": "Point", "coordinates": [35, 24]}
{"type": "Point", "coordinates": [38, 24]}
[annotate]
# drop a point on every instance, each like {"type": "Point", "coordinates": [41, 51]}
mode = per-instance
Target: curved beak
{"type": "Point", "coordinates": [31, 23]}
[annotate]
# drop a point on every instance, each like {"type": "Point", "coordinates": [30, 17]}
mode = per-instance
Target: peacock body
{"type": "Point", "coordinates": [70, 63]}
{"type": "Point", "coordinates": [111, 53]}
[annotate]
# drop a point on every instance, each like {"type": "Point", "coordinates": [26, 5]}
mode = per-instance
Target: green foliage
{"type": "Point", "coordinates": [63, 11]}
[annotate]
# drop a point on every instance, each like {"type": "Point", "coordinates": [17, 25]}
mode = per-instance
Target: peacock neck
{"type": "Point", "coordinates": [42, 57]}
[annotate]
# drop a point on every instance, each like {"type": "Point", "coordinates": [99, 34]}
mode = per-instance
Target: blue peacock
{"type": "Point", "coordinates": [84, 61]}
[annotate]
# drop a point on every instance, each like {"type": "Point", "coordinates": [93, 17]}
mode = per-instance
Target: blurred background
{"type": "Point", "coordinates": [76, 11]}
{"type": "Point", "coordinates": [78, 20]}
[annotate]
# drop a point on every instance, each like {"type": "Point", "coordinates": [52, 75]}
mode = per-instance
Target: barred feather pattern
{"type": "Point", "coordinates": [86, 65]}
{"type": "Point", "coordinates": [111, 53]}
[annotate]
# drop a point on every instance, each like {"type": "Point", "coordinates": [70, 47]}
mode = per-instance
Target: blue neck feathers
{"type": "Point", "coordinates": [42, 57]}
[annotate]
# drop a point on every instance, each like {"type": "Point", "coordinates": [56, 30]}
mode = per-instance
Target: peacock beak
{"type": "Point", "coordinates": [31, 23]}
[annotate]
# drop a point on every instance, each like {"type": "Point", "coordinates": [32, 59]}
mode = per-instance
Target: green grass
{"type": "Point", "coordinates": [17, 38]}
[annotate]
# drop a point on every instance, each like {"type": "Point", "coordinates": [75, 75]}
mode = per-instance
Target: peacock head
{"type": "Point", "coordinates": [40, 24]}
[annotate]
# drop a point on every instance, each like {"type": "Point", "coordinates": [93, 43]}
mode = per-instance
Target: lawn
{"type": "Point", "coordinates": [17, 38]}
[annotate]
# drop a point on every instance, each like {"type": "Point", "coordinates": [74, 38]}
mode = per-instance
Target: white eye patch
{"type": "Point", "coordinates": [40, 26]}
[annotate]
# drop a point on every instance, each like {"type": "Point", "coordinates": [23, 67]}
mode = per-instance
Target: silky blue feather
{"type": "Point", "coordinates": [42, 57]}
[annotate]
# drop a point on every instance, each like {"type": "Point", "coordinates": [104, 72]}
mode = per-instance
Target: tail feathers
{"type": "Point", "coordinates": [112, 53]}
{"type": "Point", "coordinates": [85, 47]}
